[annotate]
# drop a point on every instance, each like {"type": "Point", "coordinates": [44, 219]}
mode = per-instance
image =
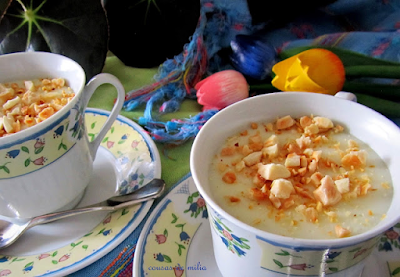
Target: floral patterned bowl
{"type": "Point", "coordinates": [47, 167]}
{"type": "Point", "coordinates": [242, 250]}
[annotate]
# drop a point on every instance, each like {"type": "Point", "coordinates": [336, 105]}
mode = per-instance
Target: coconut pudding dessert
{"type": "Point", "coordinates": [305, 177]}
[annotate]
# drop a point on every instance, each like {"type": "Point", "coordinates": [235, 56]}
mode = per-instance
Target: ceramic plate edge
{"type": "Point", "coordinates": [143, 236]}
{"type": "Point", "coordinates": [134, 222]}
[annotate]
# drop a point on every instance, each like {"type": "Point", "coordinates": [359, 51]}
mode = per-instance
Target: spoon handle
{"type": "Point", "coordinates": [151, 190]}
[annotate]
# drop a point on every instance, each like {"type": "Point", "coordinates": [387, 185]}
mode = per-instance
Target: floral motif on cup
{"type": "Point", "coordinates": [233, 243]}
{"type": "Point", "coordinates": [32, 154]}
{"type": "Point", "coordinates": [390, 239]}
{"type": "Point", "coordinates": [311, 262]}
{"type": "Point", "coordinates": [197, 206]}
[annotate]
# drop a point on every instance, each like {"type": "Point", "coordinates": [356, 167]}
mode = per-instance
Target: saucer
{"type": "Point", "coordinates": [127, 159]}
{"type": "Point", "coordinates": [176, 241]}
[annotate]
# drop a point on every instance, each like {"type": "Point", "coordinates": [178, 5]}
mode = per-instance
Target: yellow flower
{"type": "Point", "coordinates": [315, 70]}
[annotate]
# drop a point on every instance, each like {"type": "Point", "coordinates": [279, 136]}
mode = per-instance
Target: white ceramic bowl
{"type": "Point", "coordinates": [298, 257]}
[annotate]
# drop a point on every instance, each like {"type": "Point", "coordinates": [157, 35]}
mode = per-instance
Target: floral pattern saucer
{"type": "Point", "coordinates": [176, 240]}
{"type": "Point", "coordinates": [126, 160]}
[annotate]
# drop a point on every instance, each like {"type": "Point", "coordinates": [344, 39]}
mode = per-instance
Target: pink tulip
{"type": "Point", "coordinates": [222, 89]}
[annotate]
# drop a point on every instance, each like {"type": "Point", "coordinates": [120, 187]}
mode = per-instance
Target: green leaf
{"type": "Point", "coordinates": [195, 194]}
{"type": "Point", "coordinates": [175, 218]}
{"type": "Point", "coordinates": [85, 246]}
{"type": "Point", "coordinates": [278, 263]}
{"type": "Point", "coordinates": [383, 106]}
{"type": "Point", "coordinates": [29, 264]}
{"type": "Point", "coordinates": [283, 253]}
{"type": "Point", "coordinates": [5, 168]}
{"type": "Point", "coordinates": [189, 200]}
{"type": "Point", "coordinates": [93, 125]}
{"type": "Point", "coordinates": [396, 271]}
{"type": "Point", "coordinates": [54, 253]}
{"type": "Point", "coordinates": [166, 232]}
{"type": "Point", "coordinates": [333, 269]}
{"type": "Point", "coordinates": [167, 258]}
{"type": "Point", "coordinates": [38, 150]}
{"type": "Point", "coordinates": [27, 162]}
{"type": "Point", "coordinates": [54, 262]}
{"type": "Point", "coordinates": [349, 58]}
{"type": "Point", "coordinates": [179, 225]}
{"type": "Point", "coordinates": [77, 29]}
{"type": "Point", "coordinates": [25, 149]}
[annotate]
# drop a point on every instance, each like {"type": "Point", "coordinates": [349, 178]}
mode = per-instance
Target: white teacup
{"type": "Point", "coordinates": [47, 167]}
{"type": "Point", "coordinates": [269, 254]}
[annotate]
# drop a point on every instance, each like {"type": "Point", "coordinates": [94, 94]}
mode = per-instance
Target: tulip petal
{"type": "Point", "coordinates": [298, 80]}
{"type": "Point", "coordinates": [280, 69]}
{"type": "Point", "coordinates": [222, 89]}
{"type": "Point", "coordinates": [325, 68]}
{"type": "Point", "coordinates": [315, 70]}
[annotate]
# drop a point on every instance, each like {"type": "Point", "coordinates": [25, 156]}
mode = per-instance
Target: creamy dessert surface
{"type": "Point", "coordinates": [26, 103]}
{"type": "Point", "coordinates": [301, 177]}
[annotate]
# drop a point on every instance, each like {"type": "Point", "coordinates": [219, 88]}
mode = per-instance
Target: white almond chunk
{"type": "Point", "coordinates": [311, 129]}
{"type": "Point", "coordinates": [273, 171]}
{"type": "Point", "coordinates": [292, 160]}
{"type": "Point", "coordinates": [308, 152]}
{"type": "Point", "coordinates": [253, 158]}
{"type": "Point", "coordinates": [282, 188]}
{"type": "Point", "coordinates": [16, 111]}
{"type": "Point", "coordinates": [303, 142]}
{"type": "Point", "coordinates": [8, 124]}
{"type": "Point", "coordinates": [29, 85]}
{"type": "Point", "coordinates": [323, 122]}
{"type": "Point", "coordinates": [316, 178]}
{"type": "Point", "coordinates": [11, 103]}
{"type": "Point", "coordinates": [275, 201]}
{"type": "Point", "coordinates": [352, 144]}
{"type": "Point", "coordinates": [303, 161]}
{"type": "Point", "coordinates": [316, 155]}
{"type": "Point", "coordinates": [341, 232]}
{"type": "Point", "coordinates": [271, 141]}
{"type": "Point", "coordinates": [240, 166]}
{"type": "Point", "coordinates": [285, 122]}
{"type": "Point", "coordinates": [271, 151]}
{"type": "Point", "coordinates": [343, 185]}
{"type": "Point", "coordinates": [327, 193]}
{"type": "Point", "coordinates": [312, 166]}
{"type": "Point", "coordinates": [355, 158]}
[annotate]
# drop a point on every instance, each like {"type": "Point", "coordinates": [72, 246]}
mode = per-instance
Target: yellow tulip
{"type": "Point", "coordinates": [315, 70]}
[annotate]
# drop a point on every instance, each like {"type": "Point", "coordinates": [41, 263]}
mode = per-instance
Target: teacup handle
{"type": "Point", "coordinates": [94, 83]}
{"type": "Point", "coordinates": [346, 95]}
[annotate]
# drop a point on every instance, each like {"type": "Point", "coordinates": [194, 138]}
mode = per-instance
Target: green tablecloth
{"type": "Point", "coordinates": [174, 160]}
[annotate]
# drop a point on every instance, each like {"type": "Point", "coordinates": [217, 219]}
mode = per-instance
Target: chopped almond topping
{"type": "Point", "coordinates": [294, 173]}
{"type": "Point", "coordinates": [341, 232]}
{"type": "Point", "coordinates": [273, 171]}
{"type": "Point", "coordinates": [234, 199]}
{"type": "Point", "coordinates": [285, 122]}
{"type": "Point", "coordinates": [229, 177]}
{"type": "Point", "coordinates": [228, 151]}
{"type": "Point", "coordinates": [355, 159]}
{"type": "Point", "coordinates": [327, 192]}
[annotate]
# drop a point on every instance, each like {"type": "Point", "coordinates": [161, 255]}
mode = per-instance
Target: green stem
{"type": "Point", "coordinates": [391, 92]}
{"type": "Point", "coordinates": [383, 106]}
{"type": "Point", "coordinates": [374, 71]}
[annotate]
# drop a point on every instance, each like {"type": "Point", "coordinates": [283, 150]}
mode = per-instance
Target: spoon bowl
{"type": "Point", "coordinates": [12, 228]}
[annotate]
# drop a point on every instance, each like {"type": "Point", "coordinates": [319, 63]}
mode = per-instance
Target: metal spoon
{"type": "Point", "coordinates": [12, 228]}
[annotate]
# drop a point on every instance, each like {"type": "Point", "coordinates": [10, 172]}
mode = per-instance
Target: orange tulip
{"type": "Point", "coordinates": [315, 70]}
